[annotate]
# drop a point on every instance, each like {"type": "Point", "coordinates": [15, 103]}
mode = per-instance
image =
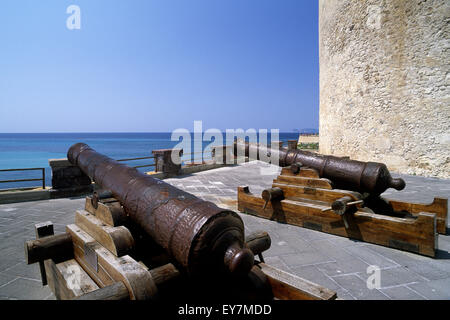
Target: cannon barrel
{"type": "Point", "coordinates": [370, 177]}
{"type": "Point", "coordinates": [200, 236]}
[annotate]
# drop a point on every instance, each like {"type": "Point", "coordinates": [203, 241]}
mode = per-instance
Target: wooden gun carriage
{"type": "Point", "coordinates": [299, 196]}
{"type": "Point", "coordinates": [102, 256]}
{"type": "Point", "coordinates": [140, 238]}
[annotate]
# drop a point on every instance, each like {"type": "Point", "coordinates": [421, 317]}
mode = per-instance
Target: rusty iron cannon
{"type": "Point", "coordinates": [369, 177]}
{"type": "Point", "coordinates": [199, 235]}
{"type": "Point", "coordinates": [342, 197]}
{"type": "Point", "coordinates": [142, 239]}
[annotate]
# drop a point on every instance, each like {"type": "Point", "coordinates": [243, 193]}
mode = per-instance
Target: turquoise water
{"type": "Point", "coordinates": [30, 150]}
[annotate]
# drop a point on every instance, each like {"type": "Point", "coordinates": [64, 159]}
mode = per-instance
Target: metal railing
{"type": "Point", "coordinates": [140, 158]}
{"type": "Point", "coordinates": [23, 180]}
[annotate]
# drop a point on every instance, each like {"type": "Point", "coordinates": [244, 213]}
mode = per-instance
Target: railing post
{"type": "Point", "coordinates": [164, 162]}
{"type": "Point", "coordinates": [292, 144]}
{"type": "Point", "coordinates": [68, 180]}
{"type": "Point", "coordinates": [43, 178]}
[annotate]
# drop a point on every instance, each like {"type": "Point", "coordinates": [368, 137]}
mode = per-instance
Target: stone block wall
{"type": "Point", "coordinates": [384, 83]}
{"type": "Point", "coordinates": [68, 179]}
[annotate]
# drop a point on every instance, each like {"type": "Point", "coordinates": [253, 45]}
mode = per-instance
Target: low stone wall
{"type": "Point", "coordinates": [68, 180]}
{"type": "Point", "coordinates": [308, 139]}
{"type": "Point", "coordinates": [66, 175]}
{"type": "Point", "coordinates": [15, 196]}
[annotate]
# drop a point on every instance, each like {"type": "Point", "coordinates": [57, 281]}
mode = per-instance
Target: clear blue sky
{"type": "Point", "coordinates": [158, 65]}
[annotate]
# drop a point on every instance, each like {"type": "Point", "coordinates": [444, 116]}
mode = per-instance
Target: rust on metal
{"type": "Point", "coordinates": [99, 195]}
{"type": "Point", "coordinates": [199, 235]}
{"type": "Point", "coordinates": [272, 194]}
{"type": "Point", "coordinates": [370, 177]}
{"type": "Point", "coordinates": [295, 167]}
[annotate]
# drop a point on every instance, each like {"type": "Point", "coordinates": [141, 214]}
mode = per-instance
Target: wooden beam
{"type": "Point", "coordinates": [115, 291]}
{"type": "Point", "coordinates": [164, 273]}
{"type": "Point", "coordinates": [286, 286]}
{"type": "Point", "coordinates": [439, 206]}
{"type": "Point", "coordinates": [68, 280]}
{"type": "Point", "coordinates": [136, 278]}
{"type": "Point", "coordinates": [118, 240]}
{"type": "Point", "coordinates": [109, 211]}
{"type": "Point", "coordinates": [304, 172]}
{"type": "Point", "coordinates": [84, 242]}
{"type": "Point", "coordinates": [302, 192]}
{"type": "Point", "coordinates": [304, 181]}
{"type": "Point", "coordinates": [51, 247]}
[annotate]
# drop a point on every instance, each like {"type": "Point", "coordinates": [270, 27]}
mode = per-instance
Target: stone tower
{"type": "Point", "coordinates": [384, 83]}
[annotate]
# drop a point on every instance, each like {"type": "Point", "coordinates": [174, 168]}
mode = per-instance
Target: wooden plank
{"type": "Point", "coordinates": [300, 192]}
{"type": "Point", "coordinates": [115, 291]}
{"type": "Point", "coordinates": [68, 280]}
{"type": "Point", "coordinates": [135, 277]}
{"type": "Point", "coordinates": [164, 273]}
{"type": "Point", "coordinates": [81, 240]}
{"type": "Point", "coordinates": [303, 181]}
{"type": "Point", "coordinates": [108, 211]}
{"type": "Point", "coordinates": [304, 172]}
{"type": "Point", "coordinates": [416, 234]}
{"type": "Point", "coordinates": [98, 273]}
{"type": "Point", "coordinates": [439, 206]}
{"type": "Point", "coordinates": [118, 240]}
{"type": "Point", "coordinates": [286, 286]}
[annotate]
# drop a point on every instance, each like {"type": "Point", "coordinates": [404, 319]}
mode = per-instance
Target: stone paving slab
{"type": "Point", "coordinates": [335, 262]}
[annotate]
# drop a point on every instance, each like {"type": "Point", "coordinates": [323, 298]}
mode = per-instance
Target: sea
{"type": "Point", "coordinates": [33, 150]}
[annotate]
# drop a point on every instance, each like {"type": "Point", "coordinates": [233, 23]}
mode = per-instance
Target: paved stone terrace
{"type": "Point", "coordinates": [334, 262]}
